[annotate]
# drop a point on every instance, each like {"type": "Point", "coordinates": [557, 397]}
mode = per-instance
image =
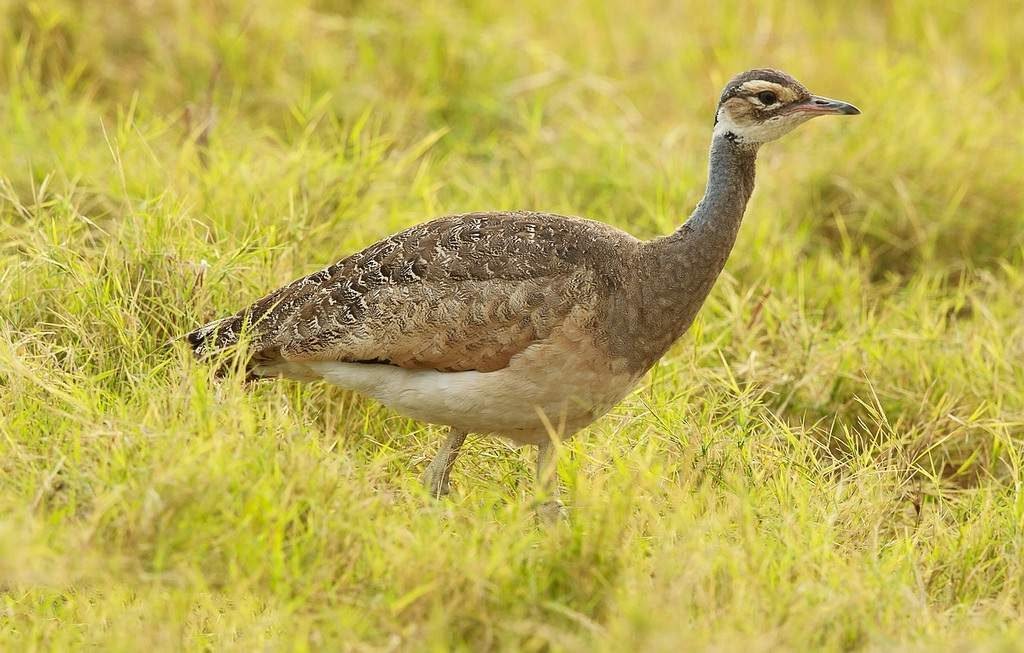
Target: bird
{"type": "Point", "coordinates": [518, 324]}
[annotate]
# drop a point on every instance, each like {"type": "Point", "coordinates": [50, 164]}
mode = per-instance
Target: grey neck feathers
{"type": "Point", "coordinates": [716, 220]}
{"type": "Point", "coordinates": [686, 263]}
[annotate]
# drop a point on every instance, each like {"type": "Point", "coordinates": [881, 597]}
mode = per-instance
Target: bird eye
{"type": "Point", "coordinates": [767, 98]}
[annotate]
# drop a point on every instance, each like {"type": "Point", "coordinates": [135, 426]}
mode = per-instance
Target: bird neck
{"type": "Point", "coordinates": [687, 262]}
{"type": "Point", "coordinates": [713, 225]}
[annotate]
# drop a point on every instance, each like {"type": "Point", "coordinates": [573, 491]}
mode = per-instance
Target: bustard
{"type": "Point", "coordinates": [519, 324]}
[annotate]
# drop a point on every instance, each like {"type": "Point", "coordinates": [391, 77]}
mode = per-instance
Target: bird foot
{"type": "Point", "coordinates": [435, 478]}
{"type": "Point", "coordinates": [552, 512]}
{"type": "Point", "coordinates": [436, 482]}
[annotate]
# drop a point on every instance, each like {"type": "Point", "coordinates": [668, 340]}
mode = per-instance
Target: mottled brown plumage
{"type": "Point", "coordinates": [527, 325]}
{"type": "Point", "coordinates": [465, 292]}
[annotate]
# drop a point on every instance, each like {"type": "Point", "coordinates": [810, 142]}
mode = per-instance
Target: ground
{"type": "Point", "coordinates": [830, 459]}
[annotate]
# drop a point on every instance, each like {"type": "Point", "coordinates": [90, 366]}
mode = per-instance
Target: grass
{"type": "Point", "coordinates": [831, 458]}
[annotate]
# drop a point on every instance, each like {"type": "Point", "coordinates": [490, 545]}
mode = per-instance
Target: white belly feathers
{"type": "Point", "coordinates": [570, 384]}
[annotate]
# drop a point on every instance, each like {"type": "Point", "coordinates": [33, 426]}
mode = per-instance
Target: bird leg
{"type": "Point", "coordinates": [435, 478]}
{"type": "Point", "coordinates": [550, 509]}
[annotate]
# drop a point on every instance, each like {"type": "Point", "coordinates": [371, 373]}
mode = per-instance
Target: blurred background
{"type": "Point", "coordinates": [250, 144]}
{"type": "Point", "coordinates": [596, 108]}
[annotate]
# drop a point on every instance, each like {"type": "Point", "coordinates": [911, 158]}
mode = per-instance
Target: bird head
{"type": "Point", "coordinates": [762, 105]}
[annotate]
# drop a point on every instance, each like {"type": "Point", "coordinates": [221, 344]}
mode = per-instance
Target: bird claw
{"type": "Point", "coordinates": [435, 484]}
{"type": "Point", "coordinates": [552, 512]}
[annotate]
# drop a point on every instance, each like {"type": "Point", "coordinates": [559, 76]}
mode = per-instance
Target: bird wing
{"type": "Point", "coordinates": [465, 292]}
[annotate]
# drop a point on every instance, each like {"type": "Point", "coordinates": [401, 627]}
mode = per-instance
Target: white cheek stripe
{"type": "Point", "coordinates": [762, 133]}
{"type": "Point", "coordinates": [724, 125]}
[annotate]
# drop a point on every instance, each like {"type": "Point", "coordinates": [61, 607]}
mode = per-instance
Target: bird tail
{"type": "Point", "coordinates": [215, 337]}
{"type": "Point", "coordinates": [246, 330]}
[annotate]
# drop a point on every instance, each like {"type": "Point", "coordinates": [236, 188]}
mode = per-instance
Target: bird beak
{"type": "Point", "coordinates": [819, 106]}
